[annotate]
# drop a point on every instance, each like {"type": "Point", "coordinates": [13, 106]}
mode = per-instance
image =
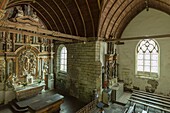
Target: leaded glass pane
{"type": "Point", "coordinates": [147, 56]}
{"type": "Point", "coordinates": [147, 68]}
{"type": "Point", "coordinates": [140, 68]}
{"type": "Point", "coordinates": [147, 62]}
{"type": "Point", "coordinates": [154, 57]}
{"type": "Point", "coordinates": [154, 69]}
{"type": "Point", "coordinates": [140, 56]}
{"type": "Point", "coordinates": [140, 62]}
{"type": "Point", "coordinates": [154, 63]}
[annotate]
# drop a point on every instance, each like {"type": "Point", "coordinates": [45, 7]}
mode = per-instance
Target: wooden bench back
{"type": "Point", "coordinates": [150, 105]}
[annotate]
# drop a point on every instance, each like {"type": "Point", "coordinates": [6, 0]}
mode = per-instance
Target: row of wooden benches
{"type": "Point", "coordinates": [149, 100]}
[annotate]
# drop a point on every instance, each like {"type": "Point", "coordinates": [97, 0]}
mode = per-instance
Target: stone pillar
{"type": "Point", "coordinates": [42, 73]}
{"type": "Point", "coordinates": [39, 67]}
{"type": "Point", "coordinates": [51, 75]}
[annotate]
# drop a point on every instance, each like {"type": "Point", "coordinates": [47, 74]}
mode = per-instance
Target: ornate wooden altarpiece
{"type": "Point", "coordinates": [24, 59]}
{"type": "Point", "coordinates": [111, 66]}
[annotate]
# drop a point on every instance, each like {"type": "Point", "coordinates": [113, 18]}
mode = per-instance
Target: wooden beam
{"type": "Point", "coordinates": [34, 34]}
{"type": "Point", "coordinates": [81, 15]}
{"type": "Point", "coordinates": [3, 4]}
{"type": "Point", "coordinates": [56, 34]}
{"type": "Point", "coordinates": [139, 37]}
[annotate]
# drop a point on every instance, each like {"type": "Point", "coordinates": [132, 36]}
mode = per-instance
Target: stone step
{"type": "Point", "coordinates": [16, 108]}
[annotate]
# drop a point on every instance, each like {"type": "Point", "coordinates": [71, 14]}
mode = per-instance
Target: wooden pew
{"type": "Point", "coordinates": [151, 98]}
{"type": "Point", "coordinates": [125, 110]}
{"type": "Point", "coordinates": [150, 101]}
{"type": "Point", "coordinates": [131, 108]}
{"type": "Point", "coordinates": [153, 94]}
{"type": "Point", "coordinates": [146, 111]}
{"type": "Point", "coordinates": [47, 105]}
{"type": "Point", "coordinates": [149, 105]}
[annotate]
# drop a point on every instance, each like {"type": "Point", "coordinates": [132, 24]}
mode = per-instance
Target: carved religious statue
{"type": "Point", "coordinates": [20, 11]}
{"type": "Point", "coordinates": [27, 63]}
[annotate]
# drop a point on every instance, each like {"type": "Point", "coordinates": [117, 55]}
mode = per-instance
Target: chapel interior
{"type": "Point", "coordinates": [84, 56]}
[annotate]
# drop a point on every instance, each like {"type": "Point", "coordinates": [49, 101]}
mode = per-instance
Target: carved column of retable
{"type": "Point", "coordinates": [7, 67]}
{"type": "Point", "coordinates": [42, 74]}
{"type": "Point", "coordinates": [39, 67]}
{"type": "Point", "coordinates": [8, 42]}
{"type": "Point", "coordinates": [14, 66]}
{"type": "Point", "coordinates": [13, 42]}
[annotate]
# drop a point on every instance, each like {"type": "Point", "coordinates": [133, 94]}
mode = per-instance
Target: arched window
{"type": "Point", "coordinates": [63, 59]}
{"type": "Point", "coordinates": [147, 58]}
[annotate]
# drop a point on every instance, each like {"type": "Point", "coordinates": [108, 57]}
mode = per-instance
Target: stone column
{"type": "Point", "coordinates": [51, 75]}
{"type": "Point", "coordinates": [42, 73]}
{"type": "Point", "coordinates": [38, 67]}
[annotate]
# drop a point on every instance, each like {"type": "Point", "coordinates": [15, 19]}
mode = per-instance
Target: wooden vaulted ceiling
{"type": "Point", "coordinates": [90, 18]}
{"type": "Point", "coordinates": [75, 17]}
{"type": "Point", "coordinates": [116, 14]}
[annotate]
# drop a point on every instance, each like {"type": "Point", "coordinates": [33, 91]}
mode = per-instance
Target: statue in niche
{"type": "Point", "coordinates": [20, 11]}
{"type": "Point", "coordinates": [8, 43]}
{"type": "Point", "coordinates": [28, 11]}
{"type": "Point", "coordinates": [45, 68]}
{"type": "Point", "coordinates": [35, 17]}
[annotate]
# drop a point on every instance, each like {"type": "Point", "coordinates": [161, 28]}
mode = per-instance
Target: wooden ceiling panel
{"type": "Point", "coordinates": [87, 17]}
{"type": "Point", "coordinates": [122, 15]}
{"type": "Point", "coordinates": [95, 11]}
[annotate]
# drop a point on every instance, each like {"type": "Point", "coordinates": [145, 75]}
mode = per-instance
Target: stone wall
{"type": "Point", "coordinates": [156, 23]}
{"type": "Point", "coordinates": [127, 67]}
{"type": "Point", "coordinates": [83, 71]}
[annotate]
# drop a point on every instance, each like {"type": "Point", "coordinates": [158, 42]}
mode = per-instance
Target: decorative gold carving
{"type": "Point", "coordinates": [27, 63]}
{"type": "Point", "coordinates": [27, 16]}
{"type": "Point", "coordinates": [2, 13]}
{"type": "Point", "coordinates": [8, 42]}
{"type": "Point", "coordinates": [2, 70]}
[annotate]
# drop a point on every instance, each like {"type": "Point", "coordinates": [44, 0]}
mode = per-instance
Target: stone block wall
{"type": "Point", "coordinates": [83, 70]}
